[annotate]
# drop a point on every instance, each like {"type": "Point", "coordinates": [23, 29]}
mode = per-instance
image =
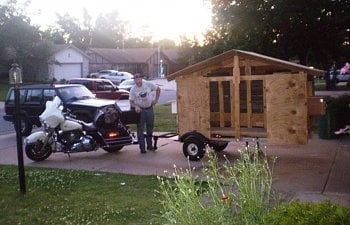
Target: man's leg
{"type": "Point", "coordinates": [140, 135]}
{"type": "Point", "coordinates": [149, 128]}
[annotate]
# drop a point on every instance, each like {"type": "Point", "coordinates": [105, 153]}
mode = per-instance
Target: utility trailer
{"type": "Point", "coordinates": [244, 94]}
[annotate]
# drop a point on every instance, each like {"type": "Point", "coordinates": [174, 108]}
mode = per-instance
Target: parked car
{"type": "Point", "coordinates": [113, 75]}
{"type": "Point", "coordinates": [102, 88]}
{"type": "Point", "coordinates": [340, 77]}
{"type": "Point", "coordinates": [75, 97]}
{"type": "Point", "coordinates": [126, 84]}
{"type": "Point", "coordinates": [102, 72]}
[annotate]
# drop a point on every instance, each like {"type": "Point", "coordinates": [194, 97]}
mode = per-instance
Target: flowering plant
{"type": "Point", "coordinates": [345, 68]}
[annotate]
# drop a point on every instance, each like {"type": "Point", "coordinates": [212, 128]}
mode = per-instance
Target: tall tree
{"type": "Point", "coordinates": [21, 42]}
{"type": "Point", "coordinates": [110, 31]}
{"type": "Point", "coordinates": [312, 32]}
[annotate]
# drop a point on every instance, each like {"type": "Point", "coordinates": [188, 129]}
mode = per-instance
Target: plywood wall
{"type": "Point", "coordinates": [193, 104]}
{"type": "Point", "coordinates": [286, 100]}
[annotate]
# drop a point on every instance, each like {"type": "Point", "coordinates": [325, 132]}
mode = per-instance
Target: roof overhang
{"type": "Point", "coordinates": [248, 55]}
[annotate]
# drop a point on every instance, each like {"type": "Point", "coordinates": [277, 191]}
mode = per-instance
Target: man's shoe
{"type": "Point", "coordinates": [150, 149]}
{"type": "Point", "coordinates": [143, 151]}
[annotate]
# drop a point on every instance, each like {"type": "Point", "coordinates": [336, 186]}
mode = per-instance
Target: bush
{"type": "Point", "coordinates": [341, 108]}
{"type": "Point", "coordinates": [238, 193]}
{"type": "Point", "coordinates": [308, 213]}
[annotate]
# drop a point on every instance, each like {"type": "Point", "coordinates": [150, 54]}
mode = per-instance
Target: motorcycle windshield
{"type": "Point", "coordinates": [52, 114]}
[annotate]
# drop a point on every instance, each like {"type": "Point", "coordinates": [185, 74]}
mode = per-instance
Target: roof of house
{"type": "Point", "coordinates": [60, 47]}
{"type": "Point", "coordinates": [249, 55]}
{"type": "Point", "coordinates": [131, 55]}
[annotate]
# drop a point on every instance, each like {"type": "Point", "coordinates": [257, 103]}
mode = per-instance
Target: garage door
{"type": "Point", "coordinates": [67, 71]}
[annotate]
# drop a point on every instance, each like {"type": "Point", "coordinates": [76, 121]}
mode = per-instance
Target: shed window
{"type": "Point", "coordinates": [214, 97]}
{"type": "Point", "coordinates": [243, 96]}
{"type": "Point", "coordinates": [257, 96]}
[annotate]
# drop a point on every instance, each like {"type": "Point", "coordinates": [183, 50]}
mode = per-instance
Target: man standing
{"type": "Point", "coordinates": [142, 99]}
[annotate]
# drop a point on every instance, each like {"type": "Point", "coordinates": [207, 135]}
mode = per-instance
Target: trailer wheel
{"type": "Point", "coordinates": [219, 146]}
{"type": "Point", "coordinates": [193, 149]}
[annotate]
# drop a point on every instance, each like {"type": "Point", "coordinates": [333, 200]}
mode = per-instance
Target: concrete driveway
{"type": "Point", "coordinates": [313, 172]}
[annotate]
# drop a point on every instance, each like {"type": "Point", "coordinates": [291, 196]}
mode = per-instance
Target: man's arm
{"type": "Point", "coordinates": [157, 96]}
{"type": "Point", "coordinates": [133, 104]}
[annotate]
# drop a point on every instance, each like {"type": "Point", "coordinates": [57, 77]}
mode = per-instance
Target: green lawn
{"type": "Point", "coordinates": [3, 91]}
{"type": "Point", "coordinates": [56, 196]}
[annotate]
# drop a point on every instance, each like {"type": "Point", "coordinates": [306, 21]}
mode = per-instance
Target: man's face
{"type": "Point", "coordinates": [138, 79]}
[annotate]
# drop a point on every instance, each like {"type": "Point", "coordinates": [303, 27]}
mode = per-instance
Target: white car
{"type": "Point", "coordinates": [113, 75]}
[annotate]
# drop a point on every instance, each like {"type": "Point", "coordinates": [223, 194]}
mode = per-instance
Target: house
{"type": "Point", "coordinates": [152, 62]}
{"type": "Point", "coordinates": [67, 62]}
{"type": "Point", "coordinates": [244, 94]}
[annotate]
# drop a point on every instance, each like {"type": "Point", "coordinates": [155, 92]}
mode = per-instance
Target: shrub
{"type": "Point", "coordinates": [308, 213]}
{"type": "Point", "coordinates": [238, 193]}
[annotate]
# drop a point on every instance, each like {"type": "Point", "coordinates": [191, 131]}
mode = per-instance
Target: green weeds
{"type": "Point", "coordinates": [238, 193]}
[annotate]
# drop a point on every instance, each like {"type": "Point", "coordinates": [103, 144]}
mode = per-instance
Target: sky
{"type": "Point", "coordinates": [165, 18]}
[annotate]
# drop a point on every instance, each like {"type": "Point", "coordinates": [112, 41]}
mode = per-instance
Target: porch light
{"type": "Point", "coordinates": [15, 74]}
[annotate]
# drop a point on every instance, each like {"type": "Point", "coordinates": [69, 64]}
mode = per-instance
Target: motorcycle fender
{"type": "Point", "coordinates": [39, 135]}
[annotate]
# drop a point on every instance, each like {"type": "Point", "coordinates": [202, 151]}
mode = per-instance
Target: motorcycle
{"type": "Point", "coordinates": [64, 133]}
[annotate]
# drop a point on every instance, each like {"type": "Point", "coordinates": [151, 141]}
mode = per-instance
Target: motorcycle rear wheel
{"type": "Point", "coordinates": [36, 151]}
{"type": "Point", "coordinates": [113, 149]}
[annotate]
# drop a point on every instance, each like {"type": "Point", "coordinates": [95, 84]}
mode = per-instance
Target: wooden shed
{"type": "Point", "coordinates": [244, 94]}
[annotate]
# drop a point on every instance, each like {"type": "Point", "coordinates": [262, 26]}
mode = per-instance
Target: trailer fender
{"type": "Point", "coordinates": [193, 134]}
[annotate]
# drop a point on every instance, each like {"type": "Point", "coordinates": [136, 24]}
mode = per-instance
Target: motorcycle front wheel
{"type": "Point", "coordinates": [37, 151]}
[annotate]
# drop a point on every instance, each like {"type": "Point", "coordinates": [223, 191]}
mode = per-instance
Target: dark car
{"type": "Point", "coordinates": [77, 98]}
{"type": "Point", "coordinates": [102, 88]}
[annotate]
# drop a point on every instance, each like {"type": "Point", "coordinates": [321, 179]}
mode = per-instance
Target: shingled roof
{"type": "Point", "coordinates": [131, 55]}
{"type": "Point", "coordinates": [59, 47]}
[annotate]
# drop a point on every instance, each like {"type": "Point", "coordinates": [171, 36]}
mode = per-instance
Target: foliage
{"type": "Point", "coordinates": [30, 52]}
{"type": "Point", "coordinates": [311, 32]}
{"type": "Point", "coordinates": [4, 88]}
{"type": "Point", "coordinates": [238, 193]}
{"type": "Point", "coordinates": [340, 107]}
{"type": "Point", "coordinates": [308, 213]}
{"type": "Point", "coordinates": [57, 196]}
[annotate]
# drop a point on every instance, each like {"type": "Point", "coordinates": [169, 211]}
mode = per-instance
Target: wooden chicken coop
{"type": "Point", "coordinates": [244, 94]}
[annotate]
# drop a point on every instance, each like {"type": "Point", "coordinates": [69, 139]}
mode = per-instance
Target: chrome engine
{"type": "Point", "coordinates": [77, 141]}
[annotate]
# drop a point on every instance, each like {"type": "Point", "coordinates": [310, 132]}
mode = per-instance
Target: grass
{"type": "Point", "coordinates": [320, 85]}
{"type": "Point", "coordinates": [164, 120]}
{"type": "Point", "coordinates": [231, 194]}
{"type": "Point", "coordinates": [56, 196]}
{"type": "Point", "coordinates": [3, 91]}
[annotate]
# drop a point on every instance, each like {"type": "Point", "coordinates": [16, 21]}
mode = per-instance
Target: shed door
{"type": "Point", "coordinates": [286, 107]}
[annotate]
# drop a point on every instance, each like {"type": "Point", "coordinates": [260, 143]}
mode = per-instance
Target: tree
{"type": "Point", "coordinates": [314, 32]}
{"type": "Point", "coordinates": [110, 31]}
{"type": "Point", "coordinates": [29, 52]}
